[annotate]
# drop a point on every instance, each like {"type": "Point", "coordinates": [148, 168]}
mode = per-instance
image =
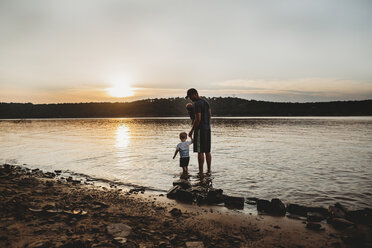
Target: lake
{"type": "Point", "coordinates": [306, 160]}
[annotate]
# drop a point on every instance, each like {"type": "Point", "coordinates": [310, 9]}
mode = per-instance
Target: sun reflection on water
{"type": "Point", "coordinates": [122, 136]}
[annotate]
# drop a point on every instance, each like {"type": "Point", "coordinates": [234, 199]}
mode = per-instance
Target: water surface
{"type": "Point", "coordinates": [313, 160]}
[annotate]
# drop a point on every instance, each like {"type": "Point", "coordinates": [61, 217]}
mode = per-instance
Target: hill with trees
{"type": "Point", "coordinates": [175, 107]}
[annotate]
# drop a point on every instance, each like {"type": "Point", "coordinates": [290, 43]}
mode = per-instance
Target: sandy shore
{"type": "Point", "coordinates": [36, 211]}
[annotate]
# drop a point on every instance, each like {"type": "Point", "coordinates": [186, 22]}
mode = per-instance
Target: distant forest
{"type": "Point", "coordinates": [221, 106]}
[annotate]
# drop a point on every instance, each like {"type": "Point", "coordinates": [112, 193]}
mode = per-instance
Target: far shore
{"type": "Point", "coordinates": [38, 210]}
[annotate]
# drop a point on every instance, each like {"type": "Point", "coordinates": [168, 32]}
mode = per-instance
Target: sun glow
{"type": "Point", "coordinates": [120, 88]}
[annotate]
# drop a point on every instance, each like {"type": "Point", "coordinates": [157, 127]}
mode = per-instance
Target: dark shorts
{"type": "Point", "coordinates": [202, 140]}
{"type": "Point", "coordinates": [184, 161]}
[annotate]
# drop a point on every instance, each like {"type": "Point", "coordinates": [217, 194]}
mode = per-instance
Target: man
{"type": "Point", "coordinates": [201, 129]}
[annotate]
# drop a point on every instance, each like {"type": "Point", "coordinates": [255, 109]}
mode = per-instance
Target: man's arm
{"type": "Point", "coordinates": [195, 123]}
{"type": "Point", "coordinates": [210, 114]}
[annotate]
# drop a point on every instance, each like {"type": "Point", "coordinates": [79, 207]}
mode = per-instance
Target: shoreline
{"type": "Point", "coordinates": [38, 210]}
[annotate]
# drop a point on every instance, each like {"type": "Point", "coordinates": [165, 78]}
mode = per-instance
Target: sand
{"type": "Point", "coordinates": [44, 212]}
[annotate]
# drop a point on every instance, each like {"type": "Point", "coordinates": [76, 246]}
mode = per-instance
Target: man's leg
{"type": "Point", "coordinates": [201, 161]}
{"type": "Point", "coordinates": [208, 157]}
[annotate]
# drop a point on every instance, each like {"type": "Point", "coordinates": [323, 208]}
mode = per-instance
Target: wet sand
{"type": "Point", "coordinates": [36, 211]}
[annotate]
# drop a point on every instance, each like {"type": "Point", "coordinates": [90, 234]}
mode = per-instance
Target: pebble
{"type": "Point", "coordinates": [194, 244]}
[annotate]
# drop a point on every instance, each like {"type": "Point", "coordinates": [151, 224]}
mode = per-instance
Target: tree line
{"type": "Point", "coordinates": [175, 107]}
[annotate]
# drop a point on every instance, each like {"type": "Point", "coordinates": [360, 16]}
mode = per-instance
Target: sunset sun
{"type": "Point", "coordinates": [120, 89]}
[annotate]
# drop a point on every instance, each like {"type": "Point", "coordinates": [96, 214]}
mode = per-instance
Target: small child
{"type": "Point", "coordinates": [183, 148]}
{"type": "Point", "coordinates": [191, 111]}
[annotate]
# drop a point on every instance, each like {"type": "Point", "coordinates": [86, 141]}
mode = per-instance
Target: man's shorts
{"type": "Point", "coordinates": [202, 140]}
{"type": "Point", "coordinates": [184, 161]}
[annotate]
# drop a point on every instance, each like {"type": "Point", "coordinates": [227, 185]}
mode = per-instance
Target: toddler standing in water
{"type": "Point", "coordinates": [183, 148]}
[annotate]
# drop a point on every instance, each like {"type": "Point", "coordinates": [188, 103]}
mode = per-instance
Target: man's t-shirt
{"type": "Point", "coordinates": [202, 106]}
{"type": "Point", "coordinates": [183, 147]}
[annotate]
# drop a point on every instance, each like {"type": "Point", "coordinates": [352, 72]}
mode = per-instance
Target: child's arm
{"type": "Point", "coordinates": [192, 140]}
{"type": "Point", "coordinates": [175, 153]}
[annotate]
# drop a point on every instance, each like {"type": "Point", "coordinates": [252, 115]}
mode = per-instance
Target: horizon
{"type": "Point", "coordinates": [114, 51]}
{"type": "Point", "coordinates": [168, 98]}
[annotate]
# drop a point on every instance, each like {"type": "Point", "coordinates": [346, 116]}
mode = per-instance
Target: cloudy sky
{"type": "Point", "coordinates": [123, 50]}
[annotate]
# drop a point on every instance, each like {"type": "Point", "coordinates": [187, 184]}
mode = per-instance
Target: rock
{"type": "Point", "coordinates": [175, 212]}
{"type": "Point", "coordinates": [297, 210]}
{"type": "Point", "coordinates": [315, 217]}
{"type": "Point", "coordinates": [194, 244]}
{"type": "Point", "coordinates": [171, 194]}
{"type": "Point", "coordinates": [323, 211]}
{"type": "Point", "coordinates": [340, 223]}
{"type": "Point", "coordinates": [58, 172]}
{"type": "Point", "coordinates": [201, 198]}
{"type": "Point", "coordinates": [183, 183]}
{"type": "Point", "coordinates": [137, 189]}
{"type": "Point", "coordinates": [215, 196]}
{"type": "Point", "coordinates": [120, 240]}
{"type": "Point", "coordinates": [119, 230]}
{"type": "Point", "coordinates": [314, 226]}
{"type": "Point", "coordinates": [234, 202]}
{"type": "Point", "coordinates": [180, 194]}
{"type": "Point", "coordinates": [337, 211]}
{"type": "Point", "coordinates": [277, 207]}
{"type": "Point", "coordinates": [263, 206]}
{"type": "Point", "coordinates": [360, 216]}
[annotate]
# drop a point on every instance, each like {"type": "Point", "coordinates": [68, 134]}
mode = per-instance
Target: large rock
{"type": "Point", "coordinates": [180, 194]}
{"type": "Point", "coordinates": [263, 206]}
{"type": "Point", "coordinates": [315, 217]}
{"type": "Point", "coordinates": [360, 216]}
{"type": "Point", "coordinates": [183, 183]}
{"type": "Point", "coordinates": [277, 207]}
{"type": "Point", "coordinates": [297, 210]}
{"type": "Point", "coordinates": [337, 211]}
{"type": "Point", "coordinates": [215, 196]}
{"type": "Point", "coordinates": [172, 193]}
{"type": "Point", "coordinates": [234, 202]}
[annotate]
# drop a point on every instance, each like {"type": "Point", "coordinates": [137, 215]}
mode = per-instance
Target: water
{"type": "Point", "coordinates": [312, 161]}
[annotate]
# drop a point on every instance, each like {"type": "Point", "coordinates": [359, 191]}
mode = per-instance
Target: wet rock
{"type": "Point", "coordinates": [178, 193]}
{"type": "Point", "coordinates": [315, 217]}
{"type": "Point", "coordinates": [263, 206]}
{"type": "Point", "coordinates": [360, 216]}
{"type": "Point", "coordinates": [234, 202]}
{"type": "Point", "coordinates": [340, 223]}
{"type": "Point", "coordinates": [297, 210]}
{"type": "Point", "coordinates": [337, 211]}
{"type": "Point", "coordinates": [57, 172]}
{"type": "Point", "coordinates": [175, 212]}
{"type": "Point", "coordinates": [49, 175]}
{"type": "Point", "coordinates": [183, 183]}
{"type": "Point", "coordinates": [194, 244]}
{"type": "Point", "coordinates": [119, 230]}
{"type": "Point", "coordinates": [322, 211]}
{"type": "Point", "coordinates": [215, 196]}
{"type": "Point", "coordinates": [277, 207]}
{"type": "Point", "coordinates": [171, 194]}
{"type": "Point", "coordinates": [314, 226]}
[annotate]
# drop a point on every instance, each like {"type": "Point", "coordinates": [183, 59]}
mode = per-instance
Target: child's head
{"type": "Point", "coordinates": [183, 136]}
{"type": "Point", "coordinates": [189, 106]}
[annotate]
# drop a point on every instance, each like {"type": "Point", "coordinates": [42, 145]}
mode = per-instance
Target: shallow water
{"type": "Point", "coordinates": [310, 160]}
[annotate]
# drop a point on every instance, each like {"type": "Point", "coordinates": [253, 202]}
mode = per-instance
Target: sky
{"type": "Point", "coordinates": [55, 51]}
